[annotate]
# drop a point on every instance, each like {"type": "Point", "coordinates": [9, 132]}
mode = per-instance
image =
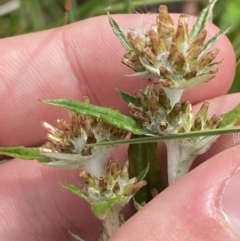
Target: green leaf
{"type": "Point", "coordinates": [27, 153]}
{"type": "Point", "coordinates": [112, 117]}
{"type": "Point", "coordinates": [238, 61]}
{"type": "Point", "coordinates": [128, 6]}
{"type": "Point", "coordinates": [77, 191]}
{"type": "Point", "coordinates": [143, 173]}
{"type": "Point", "coordinates": [230, 118]}
{"type": "Point", "coordinates": [208, 68]}
{"type": "Point", "coordinates": [129, 98]}
{"type": "Point", "coordinates": [144, 164]}
{"type": "Point", "coordinates": [215, 132]}
{"type": "Point", "coordinates": [137, 163]}
{"type": "Point", "coordinates": [153, 177]}
{"type": "Point", "coordinates": [101, 208]}
{"type": "Point", "coordinates": [214, 39]}
{"type": "Point", "coordinates": [119, 33]}
{"type": "Point", "coordinates": [202, 20]}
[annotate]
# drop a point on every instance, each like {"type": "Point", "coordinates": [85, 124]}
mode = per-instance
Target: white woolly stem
{"type": "Point", "coordinates": [180, 159]}
{"type": "Point", "coordinates": [111, 224]}
{"type": "Point", "coordinates": [174, 95]}
{"type": "Point", "coordinates": [182, 153]}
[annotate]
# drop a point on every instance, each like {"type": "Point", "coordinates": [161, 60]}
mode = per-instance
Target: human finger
{"type": "Point", "coordinates": [35, 206]}
{"type": "Point", "coordinates": [205, 206]}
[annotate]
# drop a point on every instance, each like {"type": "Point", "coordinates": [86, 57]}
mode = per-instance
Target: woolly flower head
{"type": "Point", "coordinates": [173, 56]}
{"type": "Point", "coordinates": [153, 109]}
{"type": "Point", "coordinates": [67, 145]}
{"type": "Point", "coordinates": [108, 194]}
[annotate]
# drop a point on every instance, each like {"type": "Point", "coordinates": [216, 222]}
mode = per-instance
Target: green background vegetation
{"type": "Point", "coordinates": [35, 15]}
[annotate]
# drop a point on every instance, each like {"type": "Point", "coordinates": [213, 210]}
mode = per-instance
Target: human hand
{"type": "Point", "coordinates": [84, 59]}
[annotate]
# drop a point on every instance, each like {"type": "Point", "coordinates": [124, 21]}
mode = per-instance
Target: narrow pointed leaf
{"type": "Point", "coordinates": [129, 98]}
{"type": "Point", "coordinates": [26, 153]}
{"type": "Point", "coordinates": [214, 39]}
{"type": "Point", "coordinates": [211, 65]}
{"type": "Point", "coordinates": [152, 70]}
{"type": "Point", "coordinates": [211, 72]}
{"type": "Point", "coordinates": [137, 205]}
{"type": "Point", "coordinates": [143, 173]}
{"type": "Point", "coordinates": [215, 132]}
{"type": "Point", "coordinates": [119, 33]}
{"type": "Point", "coordinates": [76, 190]}
{"type": "Point", "coordinates": [202, 20]}
{"type": "Point", "coordinates": [143, 74]}
{"type": "Point", "coordinates": [108, 115]}
{"type": "Point", "coordinates": [230, 118]}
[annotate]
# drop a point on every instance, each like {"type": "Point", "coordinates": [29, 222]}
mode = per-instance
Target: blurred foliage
{"type": "Point", "coordinates": [230, 15]}
{"type": "Point", "coordinates": [35, 15]}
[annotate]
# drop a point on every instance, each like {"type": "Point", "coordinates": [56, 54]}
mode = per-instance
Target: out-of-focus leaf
{"type": "Point", "coordinates": [143, 173]}
{"type": "Point", "coordinates": [144, 164]}
{"type": "Point", "coordinates": [137, 163]}
{"type": "Point", "coordinates": [153, 176]}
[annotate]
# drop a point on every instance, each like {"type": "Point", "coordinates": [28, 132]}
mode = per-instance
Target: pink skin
{"type": "Point", "coordinates": [84, 59]}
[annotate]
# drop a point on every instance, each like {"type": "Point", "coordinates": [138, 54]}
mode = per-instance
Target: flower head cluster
{"type": "Point", "coordinates": [155, 112]}
{"type": "Point", "coordinates": [108, 194]}
{"type": "Point", "coordinates": [114, 187]}
{"type": "Point", "coordinates": [68, 144]}
{"type": "Point", "coordinates": [175, 57]}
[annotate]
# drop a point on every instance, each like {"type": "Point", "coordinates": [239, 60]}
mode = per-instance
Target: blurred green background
{"type": "Point", "coordinates": [23, 16]}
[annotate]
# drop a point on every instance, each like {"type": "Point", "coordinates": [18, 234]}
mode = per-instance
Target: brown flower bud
{"type": "Point", "coordinates": [164, 23]}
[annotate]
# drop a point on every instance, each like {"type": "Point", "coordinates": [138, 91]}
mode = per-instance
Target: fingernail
{"type": "Point", "coordinates": [230, 202]}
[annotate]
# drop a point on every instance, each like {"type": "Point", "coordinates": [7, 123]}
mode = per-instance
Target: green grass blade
{"type": "Point", "coordinates": [215, 132]}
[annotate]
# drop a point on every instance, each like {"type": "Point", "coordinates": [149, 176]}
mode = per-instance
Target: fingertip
{"type": "Point", "coordinates": [35, 204]}
{"type": "Point", "coordinates": [190, 209]}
